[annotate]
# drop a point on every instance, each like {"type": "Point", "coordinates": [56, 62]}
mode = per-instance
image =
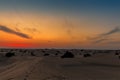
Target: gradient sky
{"type": "Point", "coordinates": [60, 24]}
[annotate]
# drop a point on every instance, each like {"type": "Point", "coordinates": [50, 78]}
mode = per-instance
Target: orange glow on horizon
{"type": "Point", "coordinates": [52, 31]}
{"type": "Point", "coordinates": [18, 45]}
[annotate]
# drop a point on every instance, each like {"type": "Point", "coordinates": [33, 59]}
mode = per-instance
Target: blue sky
{"type": "Point", "coordinates": [103, 8]}
{"type": "Point", "coordinates": [93, 7]}
{"type": "Point", "coordinates": [75, 5]}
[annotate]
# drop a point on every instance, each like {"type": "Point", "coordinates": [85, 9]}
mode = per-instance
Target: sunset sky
{"type": "Point", "coordinates": [60, 24]}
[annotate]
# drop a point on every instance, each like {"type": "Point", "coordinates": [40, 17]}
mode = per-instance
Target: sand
{"type": "Point", "coordinates": [101, 66]}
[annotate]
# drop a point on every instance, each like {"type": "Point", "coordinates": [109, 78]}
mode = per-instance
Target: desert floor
{"type": "Point", "coordinates": [27, 67]}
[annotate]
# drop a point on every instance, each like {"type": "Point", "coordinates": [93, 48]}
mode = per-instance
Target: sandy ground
{"type": "Point", "coordinates": [97, 67]}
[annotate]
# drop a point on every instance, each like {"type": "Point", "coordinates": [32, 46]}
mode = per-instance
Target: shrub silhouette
{"type": "Point", "coordinates": [94, 53]}
{"type": "Point", "coordinates": [43, 51]}
{"type": "Point", "coordinates": [32, 54]}
{"type": "Point", "coordinates": [116, 53]}
{"type": "Point", "coordinates": [87, 55]}
{"type": "Point", "coordinates": [79, 53]}
{"type": "Point", "coordinates": [119, 57]}
{"type": "Point", "coordinates": [56, 54]}
{"type": "Point", "coordinates": [46, 54]}
{"type": "Point", "coordinates": [68, 55]}
{"type": "Point", "coordinates": [9, 54]}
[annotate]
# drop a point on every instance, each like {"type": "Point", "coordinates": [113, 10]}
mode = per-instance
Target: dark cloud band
{"type": "Point", "coordinates": [104, 37]}
{"type": "Point", "coordinates": [10, 31]}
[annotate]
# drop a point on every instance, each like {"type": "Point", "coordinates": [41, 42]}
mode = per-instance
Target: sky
{"type": "Point", "coordinates": [90, 24]}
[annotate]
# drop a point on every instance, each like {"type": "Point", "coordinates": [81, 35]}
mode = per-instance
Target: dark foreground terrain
{"type": "Point", "coordinates": [59, 64]}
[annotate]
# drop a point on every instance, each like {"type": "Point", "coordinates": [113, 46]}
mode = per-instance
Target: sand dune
{"type": "Point", "coordinates": [26, 67]}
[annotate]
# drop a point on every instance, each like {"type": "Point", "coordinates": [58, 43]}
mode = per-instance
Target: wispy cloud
{"type": "Point", "coordinates": [113, 31]}
{"type": "Point", "coordinates": [114, 42]}
{"type": "Point", "coordinates": [104, 36]}
{"type": "Point", "coordinates": [69, 27]}
{"type": "Point", "coordinates": [32, 30]}
{"type": "Point", "coordinates": [8, 30]}
{"type": "Point", "coordinates": [100, 40]}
